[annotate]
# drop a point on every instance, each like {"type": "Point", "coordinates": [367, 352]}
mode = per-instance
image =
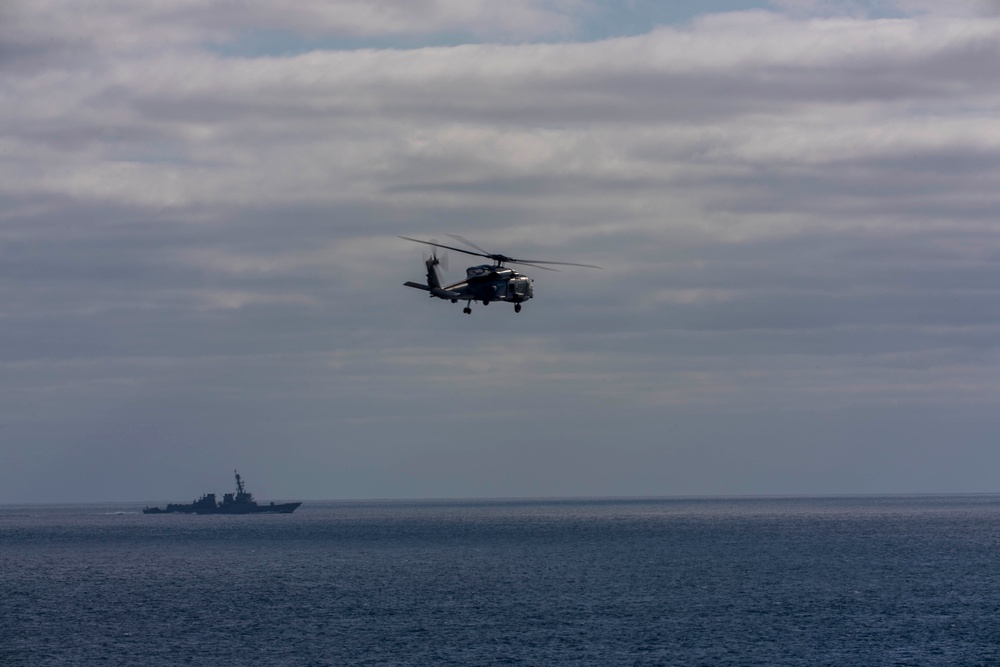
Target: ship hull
{"type": "Point", "coordinates": [273, 508]}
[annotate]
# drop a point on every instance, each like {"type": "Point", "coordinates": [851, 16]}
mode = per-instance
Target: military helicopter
{"type": "Point", "coordinates": [486, 282]}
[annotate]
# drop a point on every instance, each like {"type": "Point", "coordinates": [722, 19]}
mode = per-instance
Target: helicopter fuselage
{"type": "Point", "coordinates": [495, 283]}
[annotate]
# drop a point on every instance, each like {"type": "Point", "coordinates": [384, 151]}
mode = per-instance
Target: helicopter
{"type": "Point", "coordinates": [486, 282]}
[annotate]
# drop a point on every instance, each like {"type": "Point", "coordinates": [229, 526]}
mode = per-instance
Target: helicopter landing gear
{"type": "Point", "coordinates": [517, 308]}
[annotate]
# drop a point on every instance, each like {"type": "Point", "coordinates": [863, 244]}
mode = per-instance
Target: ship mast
{"type": "Point", "coordinates": [239, 484]}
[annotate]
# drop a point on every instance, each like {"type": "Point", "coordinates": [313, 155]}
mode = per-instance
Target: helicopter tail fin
{"type": "Point", "coordinates": [433, 282]}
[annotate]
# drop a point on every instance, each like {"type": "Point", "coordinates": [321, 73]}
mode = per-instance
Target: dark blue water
{"type": "Point", "coordinates": [789, 581]}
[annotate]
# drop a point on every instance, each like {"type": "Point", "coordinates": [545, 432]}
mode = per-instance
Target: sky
{"type": "Point", "coordinates": [795, 204]}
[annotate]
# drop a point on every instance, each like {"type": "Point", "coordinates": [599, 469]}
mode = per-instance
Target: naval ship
{"type": "Point", "coordinates": [240, 502]}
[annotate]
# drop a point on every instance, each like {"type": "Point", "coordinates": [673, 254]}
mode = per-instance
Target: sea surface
{"type": "Point", "coordinates": [866, 581]}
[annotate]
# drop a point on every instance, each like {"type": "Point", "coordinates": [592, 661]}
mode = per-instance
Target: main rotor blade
{"type": "Point", "coordinates": [528, 262]}
{"type": "Point", "coordinates": [470, 244]}
{"type": "Point", "coordinates": [538, 261]}
{"type": "Point", "coordinates": [514, 261]}
{"type": "Point", "coordinates": [448, 247]}
{"type": "Point", "coordinates": [496, 257]}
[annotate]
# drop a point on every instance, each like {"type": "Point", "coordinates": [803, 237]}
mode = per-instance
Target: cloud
{"type": "Point", "coordinates": [42, 33]}
{"type": "Point", "coordinates": [194, 128]}
{"type": "Point", "coordinates": [795, 211]}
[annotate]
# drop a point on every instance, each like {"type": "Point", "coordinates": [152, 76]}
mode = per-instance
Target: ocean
{"type": "Point", "coordinates": [840, 581]}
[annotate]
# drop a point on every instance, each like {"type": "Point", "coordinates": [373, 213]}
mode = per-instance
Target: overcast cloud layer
{"type": "Point", "coordinates": [796, 205]}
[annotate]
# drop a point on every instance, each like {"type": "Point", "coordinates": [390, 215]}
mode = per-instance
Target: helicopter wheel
{"type": "Point", "coordinates": [517, 308]}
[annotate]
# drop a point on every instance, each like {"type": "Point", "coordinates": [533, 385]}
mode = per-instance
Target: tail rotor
{"type": "Point", "coordinates": [436, 257]}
